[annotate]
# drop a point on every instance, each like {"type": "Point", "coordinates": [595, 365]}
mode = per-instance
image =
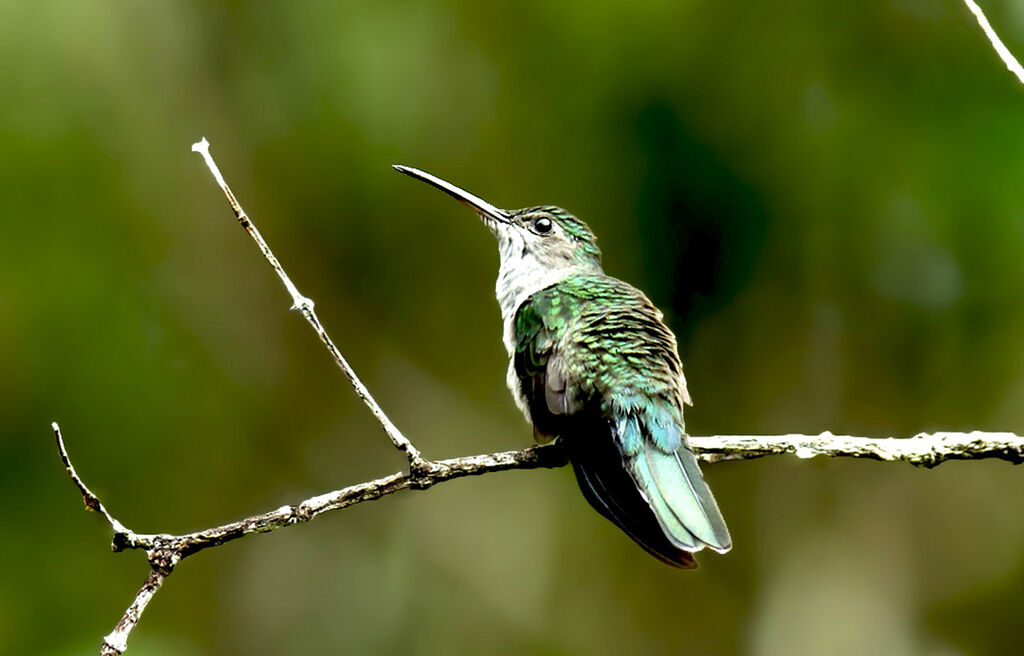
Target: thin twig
{"type": "Point", "coordinates": [116, 642]}
{"type": "Point", "coordinates": [92, 502]}
{"type": "Point", "coordinates": [161, 561]}
{"type": "Point", "coordinates": [305, 305]}
{"type": "Point", "coordinates": [1011, 62]}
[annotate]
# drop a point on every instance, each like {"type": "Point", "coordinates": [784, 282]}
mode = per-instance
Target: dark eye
{"type": "Point", "coordinates": [542, 225]}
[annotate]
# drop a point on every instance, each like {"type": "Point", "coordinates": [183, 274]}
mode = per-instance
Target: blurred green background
{"type": "Point", "coordinates": [825, 198]}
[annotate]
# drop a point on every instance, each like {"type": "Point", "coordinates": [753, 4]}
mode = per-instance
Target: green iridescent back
{"type": "Point", "coordinates": [613, 351]}
{"type": "Point", "coordinates": [599, 369]}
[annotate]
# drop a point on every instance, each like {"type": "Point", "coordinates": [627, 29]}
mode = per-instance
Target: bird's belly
{"type": "Point", "coordinates": [516, 388]}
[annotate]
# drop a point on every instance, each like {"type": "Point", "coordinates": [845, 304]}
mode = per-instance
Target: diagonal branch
{"type": "Point", "coordinates": [997, 44]}
{"type": "Point", "coordinates": [305, 305]}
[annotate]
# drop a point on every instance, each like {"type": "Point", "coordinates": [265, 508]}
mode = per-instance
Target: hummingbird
{"type": "Point", "coordinates": [593, 365]}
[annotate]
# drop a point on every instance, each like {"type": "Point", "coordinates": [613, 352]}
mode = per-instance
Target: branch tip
{"type": "Point", "coordinates": [89, 498]}
{"type": "Point", "coordinates": [92, 502]}
{"type": "Point", "coordinates": [201, 146]}
{"type": "Point", "coordinates": [305, 305]}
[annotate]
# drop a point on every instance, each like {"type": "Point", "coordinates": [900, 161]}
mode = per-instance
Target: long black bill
{"type": "Point", "coordinates": [461, 195]}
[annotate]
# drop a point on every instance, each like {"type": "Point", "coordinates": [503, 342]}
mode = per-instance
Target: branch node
{"type": "Point", "coordinates": [424, 473]}
{"type": "Point", "coordinates": [120, 542]}
{"type": "Point", "coordinates": [163, 560]}
{"type": "Point", "coordinates": [303, 304]}
{"type": "Point", "coordinates": [301, 513]}
{"type": "Point", "coordinates": [929, 457]}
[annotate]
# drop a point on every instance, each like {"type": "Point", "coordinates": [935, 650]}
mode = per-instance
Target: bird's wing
{"type": "Point", "coordinates": [541, 324]}
{"type": "Point", "coordinates": [599, 368]}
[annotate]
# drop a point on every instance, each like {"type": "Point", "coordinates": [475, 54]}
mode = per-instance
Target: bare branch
{"type": "Point", "coordinates": [305, 305]}
{"type": "Point", "coordinates": [923, 450]}
{"type": "Point", "coordinates": [1011, 62]}
{"type": "Point", "coordinates": [164, 551]}
{"type": "Point", "coordinates": [182, 546]}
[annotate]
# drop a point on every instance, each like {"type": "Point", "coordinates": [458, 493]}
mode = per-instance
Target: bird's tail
{"type": "Point", "coordinates": [656, 496]}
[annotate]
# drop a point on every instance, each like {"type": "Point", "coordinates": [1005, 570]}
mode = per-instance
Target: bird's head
{"type": "Point", "coordinates": [544, 238]}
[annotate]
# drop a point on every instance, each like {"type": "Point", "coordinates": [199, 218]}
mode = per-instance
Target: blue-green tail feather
{"type": "Point", "coordinates": [665, 471]}
{"type": "Point", "coordinates": [673, 481]}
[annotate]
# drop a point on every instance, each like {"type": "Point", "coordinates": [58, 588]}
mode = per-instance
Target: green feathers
{"type": "Point", "coordinates": [613, 346]}
{"type": "Point", "coordinates": [593, 364]}
{"type": "Point", "coordinates": [597, 365]}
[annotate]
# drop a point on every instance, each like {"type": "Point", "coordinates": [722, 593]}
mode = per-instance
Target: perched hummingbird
{"type": "Point", "coordinates": [592, 364]}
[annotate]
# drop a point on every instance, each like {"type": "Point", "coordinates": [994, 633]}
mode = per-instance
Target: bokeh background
{"type": "Point", "coordinates": [824, 197]}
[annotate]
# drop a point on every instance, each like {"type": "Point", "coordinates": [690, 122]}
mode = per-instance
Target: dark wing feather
{"type": "Point", "coordinates": [610, 489]}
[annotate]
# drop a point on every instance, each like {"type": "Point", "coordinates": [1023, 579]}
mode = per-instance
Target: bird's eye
{"type": "Point", "coordinates": [542, 225]}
